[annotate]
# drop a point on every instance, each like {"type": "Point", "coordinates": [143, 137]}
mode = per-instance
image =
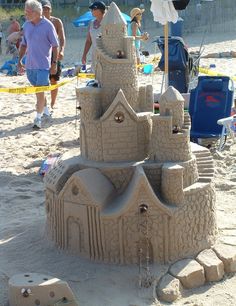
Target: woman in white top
{"type": "Point", "coordinates": [98, 10]}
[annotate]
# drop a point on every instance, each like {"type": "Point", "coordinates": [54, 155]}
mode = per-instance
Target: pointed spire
{"type": "Point", "coordinates": [113, 16]}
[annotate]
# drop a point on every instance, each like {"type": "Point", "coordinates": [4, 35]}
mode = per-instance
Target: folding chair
{"type": "Point", "coordinates": [229, 128]}
{"type": "Point", "coordinates": [210, 101]}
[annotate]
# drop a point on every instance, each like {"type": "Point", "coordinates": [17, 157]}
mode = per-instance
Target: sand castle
{"type": "Point", "coordinates": [139, 188]}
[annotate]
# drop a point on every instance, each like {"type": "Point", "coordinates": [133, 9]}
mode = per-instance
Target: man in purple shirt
{"type": "Point", "coordinates": [40, 41]}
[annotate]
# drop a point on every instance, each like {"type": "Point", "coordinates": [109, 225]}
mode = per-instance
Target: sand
{"type": "Point", "coordinates": [24, 246]}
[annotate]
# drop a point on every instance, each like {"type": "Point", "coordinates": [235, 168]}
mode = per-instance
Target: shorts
{"type": "Point", "coordinates": [38, 77]}
{"type": "Point", "coordinates": [56, 77]}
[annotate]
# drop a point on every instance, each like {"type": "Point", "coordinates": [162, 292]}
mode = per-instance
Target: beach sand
{"type": "Point", "coordinates": [24, 246]}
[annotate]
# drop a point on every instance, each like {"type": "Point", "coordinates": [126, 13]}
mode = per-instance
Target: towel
{"type": "Point", "coordinates": [163, 11]}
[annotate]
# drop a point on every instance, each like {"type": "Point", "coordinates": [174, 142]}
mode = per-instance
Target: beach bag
{"type": "Point", "coordinates": [180, 4]}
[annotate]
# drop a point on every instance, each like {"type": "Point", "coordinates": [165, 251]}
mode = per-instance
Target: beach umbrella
{"type": "Point", "coordinates": [163, 11]}
{"type": "Point", "coordinates": [84, 20]}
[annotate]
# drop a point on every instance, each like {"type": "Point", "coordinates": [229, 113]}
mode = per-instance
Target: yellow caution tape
{"type": "Point", "coordinates": [86, 75]}
{"type": "Point", "coordinates": [35, 89]}
{"type": "Point", "coordinates": [213, 73]}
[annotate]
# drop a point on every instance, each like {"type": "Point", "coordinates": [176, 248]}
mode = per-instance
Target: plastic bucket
{"type": "Point", "coordinates": [147, 69]}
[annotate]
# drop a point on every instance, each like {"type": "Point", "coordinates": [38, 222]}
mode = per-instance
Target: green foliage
{"type": "Point", "coordinates": [6, 13]}
{"type": "Point", "coordinates": [68, 11]}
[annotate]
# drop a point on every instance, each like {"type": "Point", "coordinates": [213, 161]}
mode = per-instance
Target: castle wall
{"type": "Point", "coordinates": [111, 231]}
{"type": "Point", "coordinates": [89, 99]}
{"type": "Point", "coordinates": [129, 48]}
{"type": "Point", "coordinates": [119, 177]}
{"type": "Point", "coordinates": [190, 172]}
{"type": "Point", "coordinates": [114, 74]}
{"type": "Point", "coordinates": [123, 77]}
{"type": "Point", "coordinates": [127, 140]}
{"type": "Point", "coordinates": [153, 173]}
{"type": "Point", "coordinates": [167, 146]}
{"type": "Point", "coordinates": [193, 227]}
{"type": "Point", "coordinates": [119, 140]}
{"type": "Point", "coordinates": [93, 132]}
{"type": "Point", "coordinates": [144, 134]}
{"type": "Point", "coordinates": [113, 38]}
{"type": "Point", "coordinates": [172, 184]}
{"type": "Point", "coordinates": [125, 236]}
{"type": "Point", "coordinates": [174, 109]}
{"type": "Point", "coordinates": [145, 98]}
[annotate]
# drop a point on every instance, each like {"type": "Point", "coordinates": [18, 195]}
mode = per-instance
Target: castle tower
{"type": "Point", "coordinates": [114, 28]}
{"type": "Point", "coordinates": [114, 72]}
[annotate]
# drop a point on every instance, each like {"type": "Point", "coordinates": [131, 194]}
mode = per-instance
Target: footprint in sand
{"type": "Point", "coordinates": [22, 190]}
{"type": "Point", "coordinates": [20, 183]}
{"type": "Point", "coordinates": [4, 181]}
{"type": "Point", "coordinates": [23, 197]}
{"type": "Point", "coordinates": [4, 288]}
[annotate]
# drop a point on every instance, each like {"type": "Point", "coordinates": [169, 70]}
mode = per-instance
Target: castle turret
{"type": "Point", "coordinates": [170, 139]}
{"type": "Point", "coordinates": [172, 104]}
{"type": "Point", "coordinates": [114, 28]}
{"type": "Point", "coordinates": [116, 60]}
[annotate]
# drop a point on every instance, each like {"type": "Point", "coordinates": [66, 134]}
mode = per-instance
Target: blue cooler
{"type": "Point", "coordinates": [176, 29]}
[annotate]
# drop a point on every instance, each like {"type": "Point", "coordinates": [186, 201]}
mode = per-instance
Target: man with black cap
{"type": "Point", "coordinates": [98, 9]}
{"type": "Point", "coordinates": [54, 78]}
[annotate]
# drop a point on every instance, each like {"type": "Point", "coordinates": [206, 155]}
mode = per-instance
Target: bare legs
{"type": "Point", "coordinates": [40, 102]}
{"type": "Point", "coordinates": [53, 93]}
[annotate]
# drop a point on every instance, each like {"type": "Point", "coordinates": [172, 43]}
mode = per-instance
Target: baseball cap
{"type": "Point", "coordinates": [46, 3]}
{"type": "Point", "coordinates": [97, 5]}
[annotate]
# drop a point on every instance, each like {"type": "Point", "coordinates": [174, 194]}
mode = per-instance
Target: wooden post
{"type": "Point", "coordinates": [166, 34]}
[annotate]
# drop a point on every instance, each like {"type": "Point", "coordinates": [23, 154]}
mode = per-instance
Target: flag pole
{"type": "Point", "coordinates": [166, 35]}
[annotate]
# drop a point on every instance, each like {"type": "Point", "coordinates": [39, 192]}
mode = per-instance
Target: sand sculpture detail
{"type": "Point", "coordinates": [139, 186]}
{"type": "Point", "coordinates": [30, 289]}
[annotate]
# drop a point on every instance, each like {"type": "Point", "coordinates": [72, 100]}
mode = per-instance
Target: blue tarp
{"type": "Point", "coordinates": [84, 20]}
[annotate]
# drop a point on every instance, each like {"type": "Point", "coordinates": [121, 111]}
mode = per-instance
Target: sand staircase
{"type": "Point", "coordinates": [205, 164]}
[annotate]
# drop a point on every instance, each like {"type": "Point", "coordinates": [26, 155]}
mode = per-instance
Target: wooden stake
{"type": "Point", "coordinates": [166, 35]}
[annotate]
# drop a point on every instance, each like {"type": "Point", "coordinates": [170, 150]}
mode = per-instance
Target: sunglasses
{"type": "Point", "coordinates": [139, 14]}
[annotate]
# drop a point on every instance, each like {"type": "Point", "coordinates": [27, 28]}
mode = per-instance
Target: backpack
{"type": "Point", "coordinates": [180, 4]}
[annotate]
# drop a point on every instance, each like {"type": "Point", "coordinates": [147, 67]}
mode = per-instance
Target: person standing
{"type": "Point", "coordinates": [54, 78]}
{"type": "Point", "coordinates": [98, 9]}
{"type": "Point", "coordinates": [40, 40]}
{"type": "Point", "coordinates": [14, 27]}
{"type": "Point", "coordinates": [11, 42]}
{"type": "Point", "coordinates": [134, 29]}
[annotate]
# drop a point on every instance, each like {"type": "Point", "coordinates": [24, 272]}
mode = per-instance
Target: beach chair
{"type": "Point", "coordinates": [229, 128]}
{"type": "Point", "coordinates": [210, 101]}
